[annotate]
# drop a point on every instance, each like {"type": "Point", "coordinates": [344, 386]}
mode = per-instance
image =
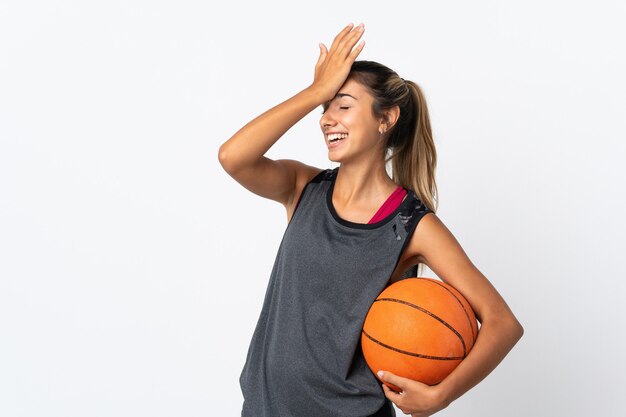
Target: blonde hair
{"type": "Point", "coordinates": [409, 144]}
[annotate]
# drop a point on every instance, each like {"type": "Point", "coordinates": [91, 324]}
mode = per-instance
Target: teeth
{"type": "Point", "coordinates": [335, 136]}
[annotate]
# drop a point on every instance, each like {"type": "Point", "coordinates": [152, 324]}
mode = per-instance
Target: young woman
{"type": "Point", "coordinates": [351, 232]}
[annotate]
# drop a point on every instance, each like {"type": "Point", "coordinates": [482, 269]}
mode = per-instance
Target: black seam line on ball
{"type": "Point", "coordinates": [462, 306]}
{"type": "Point", "coordinates": [423, 310]}
{"type": "Point", "coordinates": [419, 355]}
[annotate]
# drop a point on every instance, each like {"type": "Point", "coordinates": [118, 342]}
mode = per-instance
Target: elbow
{"type": "Point", "coordinates": [517, 329]}
{"type": "Point", "coordinates": [230, 160]}
{"type": "Point", "coordinates": [222, 156]}
{"type": "Point", "coordinates": [509, 326]}
{"type": "Point", "coordinates": [514, 327]}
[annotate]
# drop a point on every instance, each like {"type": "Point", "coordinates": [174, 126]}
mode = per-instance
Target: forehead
{"type": "Point", "coordinates": [352, 90]}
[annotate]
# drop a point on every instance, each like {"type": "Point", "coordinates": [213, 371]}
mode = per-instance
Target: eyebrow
{"type": "Point", "coordinates": [339, 95]}
{"type": "Point", "coordinates": [345, 94]}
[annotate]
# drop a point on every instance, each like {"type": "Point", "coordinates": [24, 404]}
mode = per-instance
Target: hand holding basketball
{"type": "Point", "coordinates": [420, 328]}
{"type": "Point", "coordinates": [333, 67]}
{"type": "Point", "coordinates": [416, 398]}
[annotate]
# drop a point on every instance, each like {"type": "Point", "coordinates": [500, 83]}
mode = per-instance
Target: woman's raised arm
{"type": "Point", "coordinates": [242, 156]}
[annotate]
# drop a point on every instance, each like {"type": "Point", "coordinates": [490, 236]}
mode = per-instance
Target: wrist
{"type": "Point", "coordinates": [317, 93]}
{"type": "Point", "coordinates": [443, 393]}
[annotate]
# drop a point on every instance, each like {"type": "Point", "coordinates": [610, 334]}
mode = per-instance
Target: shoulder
{"type": "Point", "coordinates": [307, 174]}
{"type": "Point", "coordinates": [412, 211]}
{"type": "Point", "coordinates": [417, 217]}
{"type": "Point", "coordinates": [430, 239]}
{"type": "Point", "coordinates": [304, 175]}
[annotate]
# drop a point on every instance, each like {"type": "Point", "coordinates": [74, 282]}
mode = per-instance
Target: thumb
{"type": "Point", "coordinates": [323, 53]}
{"type": "Point", "coordinates": [393, 379]}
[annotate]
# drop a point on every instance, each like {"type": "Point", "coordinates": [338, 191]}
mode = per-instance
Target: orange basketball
{"type": "Point", "coordinates": [418, 328]}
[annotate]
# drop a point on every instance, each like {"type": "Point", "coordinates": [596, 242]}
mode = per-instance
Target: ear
{"type": "Point", "coordinates": [391, 117]}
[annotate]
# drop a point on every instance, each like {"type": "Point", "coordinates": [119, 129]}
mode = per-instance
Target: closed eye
{"type": "Point", "coordinates": [342, 108]}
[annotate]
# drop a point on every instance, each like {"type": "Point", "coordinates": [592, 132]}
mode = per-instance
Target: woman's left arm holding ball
{"type": "Point", "coordinates": [433, 244]}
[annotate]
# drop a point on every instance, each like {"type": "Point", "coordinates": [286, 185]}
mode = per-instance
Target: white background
{"type": "Point", "coordinates": [133, 268]}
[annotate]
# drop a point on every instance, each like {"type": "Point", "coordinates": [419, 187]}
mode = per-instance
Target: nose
{"type": "Point", "coordinates": [326, 121]}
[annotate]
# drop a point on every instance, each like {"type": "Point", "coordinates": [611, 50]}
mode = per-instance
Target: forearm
{"type": "Point", "coordinates": [496, 338]}
{"type": "Point", "coordinates": [253, 140]}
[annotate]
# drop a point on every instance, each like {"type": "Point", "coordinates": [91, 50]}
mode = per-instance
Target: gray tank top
{"type": "Point", "coordinates": [305, 358]}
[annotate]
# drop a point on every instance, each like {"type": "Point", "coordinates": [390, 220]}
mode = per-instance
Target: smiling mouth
{"type": "Point", "coordinates": [335, 143]}
{"type": "Point", "coordinates": [337, 138]}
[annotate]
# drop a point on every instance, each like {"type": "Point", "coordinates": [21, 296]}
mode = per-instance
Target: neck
{"type": "Point", "coordinates": [355, 184]}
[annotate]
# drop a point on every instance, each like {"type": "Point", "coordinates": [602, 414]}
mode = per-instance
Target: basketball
{"type": "Point", "coordinates": [418, 328]}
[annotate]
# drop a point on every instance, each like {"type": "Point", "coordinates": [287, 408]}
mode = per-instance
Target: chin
{"type": "Point", "coordinates": [335, 159]}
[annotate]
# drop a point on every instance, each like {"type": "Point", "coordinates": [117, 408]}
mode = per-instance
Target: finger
{"type": "Point", "coordinates": [340, 36]}
{"type": "Point", "coordinates": [391, 390]}
{"type": "Point", "coordinates": [346, 45]}
{"type": "Point", "coordinates": [323, 53]}
{"type": "Point", "coordinates": [396, 380]}
{"type": "Point", "coordinates": [391, 394]}
{"type": "Point", "coordinates": [356, 51]}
